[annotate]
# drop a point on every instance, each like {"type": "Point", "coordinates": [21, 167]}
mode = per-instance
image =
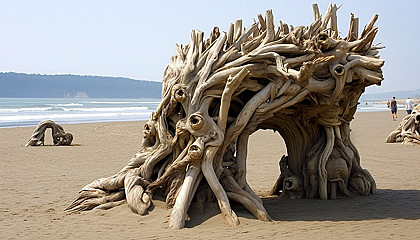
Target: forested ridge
{"type": "Point", "coordinates": [22, 85]}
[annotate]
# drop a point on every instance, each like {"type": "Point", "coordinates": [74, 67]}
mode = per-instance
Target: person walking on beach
{"type": "Point", "coordinates": [394, 108]}
{"type": "Point", "coordinates": [409, 105]}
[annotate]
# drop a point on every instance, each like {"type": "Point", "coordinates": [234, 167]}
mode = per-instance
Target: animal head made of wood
{"type": "Point", "coordinates": [245, 77]}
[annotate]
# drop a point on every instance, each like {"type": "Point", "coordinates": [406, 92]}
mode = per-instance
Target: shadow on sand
{"type": "Point", "coordinates": [386, 204]}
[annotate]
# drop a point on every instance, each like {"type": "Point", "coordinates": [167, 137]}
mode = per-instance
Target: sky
{"type": "Point", "coordinates": [136, 39]}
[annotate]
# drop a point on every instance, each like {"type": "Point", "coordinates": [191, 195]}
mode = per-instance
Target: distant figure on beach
{"type": "Point", "coordinates": [394, 108]}
{"type": "Point", "coordinates": [409, 105]}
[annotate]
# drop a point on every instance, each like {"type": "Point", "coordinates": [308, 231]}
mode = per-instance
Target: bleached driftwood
{"type": "Point", "coordinates": [408, 132]}
{"type": "Point", "coordinates": [303, 82]}
{"type": "Point", "coordinates": [58, 135]}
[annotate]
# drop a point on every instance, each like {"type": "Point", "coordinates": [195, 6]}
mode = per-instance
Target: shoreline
{"type": "Point", "coordinates": [23, 125]}
{"type": "Point", "coordinates": [23, 112]}
{"type": "Point", "coordinates": [75, 123]}
{"type": "Point", "coordinates": [38, 183]}
{"type": "Point", "coordinates": [29, 112]}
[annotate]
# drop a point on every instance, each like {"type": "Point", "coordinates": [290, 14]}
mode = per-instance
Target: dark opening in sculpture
{"type": "Point", "coordinates": [303, 82]}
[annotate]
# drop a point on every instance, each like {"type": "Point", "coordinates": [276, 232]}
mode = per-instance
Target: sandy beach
{"type": "Point", "coordinates": [38, 183]}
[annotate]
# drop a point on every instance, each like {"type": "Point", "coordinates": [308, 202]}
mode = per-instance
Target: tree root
{"type": "Point", "coordinates": [88, 200]}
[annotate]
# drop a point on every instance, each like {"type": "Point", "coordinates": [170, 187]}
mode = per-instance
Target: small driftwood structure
{"type": "Point", "coordinates": [408, 132]}
{"type": "Point", "coordinates": [303, 82]}
{"type": "Point", "coordinates": [58, 135]}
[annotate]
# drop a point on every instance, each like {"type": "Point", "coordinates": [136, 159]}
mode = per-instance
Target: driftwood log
{"type": "Point", "coordinates": [408, 132]}
{"type": "Point", "coordinates": [58, 135]}
{"type": "Point", "coordinates": [303, 82]}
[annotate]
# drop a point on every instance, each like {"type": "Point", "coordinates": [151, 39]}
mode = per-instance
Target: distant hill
{"type": "Point", "coordinates": [21, 85]}
{"type": "Point", "coordinates": [389, 95]}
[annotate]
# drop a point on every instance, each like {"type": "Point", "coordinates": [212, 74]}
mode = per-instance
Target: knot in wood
{"type": "Point", "coordinates": [195, 152]}
{"type": "Point", "coordinates": [323, 41]}
{"type": "Point", "coordinates": [179, 92]}
{"type": "Point", "coordinates": [196, 121]}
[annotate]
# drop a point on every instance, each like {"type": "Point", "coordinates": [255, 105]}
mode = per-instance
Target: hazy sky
{"type": "Point", "coordinates": [136, 38]}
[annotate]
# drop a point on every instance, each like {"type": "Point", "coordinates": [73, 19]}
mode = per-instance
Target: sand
{"type": "Point", "coordinates": [38, 183]}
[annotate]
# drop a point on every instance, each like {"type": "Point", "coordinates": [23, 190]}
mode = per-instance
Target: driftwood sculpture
{"type": "Point", "coordinates": [408, 132]}
{"type": "Point", "coordinates": [58, 135]}
{"type": "Point", "coordinates": [303, 82]}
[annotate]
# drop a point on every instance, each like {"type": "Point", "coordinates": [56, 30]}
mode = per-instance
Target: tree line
{"type": "Point", "coordinates": [22, 85]}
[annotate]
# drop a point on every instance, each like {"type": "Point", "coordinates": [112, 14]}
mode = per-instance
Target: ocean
{"type": "Point", "coordinates": [22, 112]}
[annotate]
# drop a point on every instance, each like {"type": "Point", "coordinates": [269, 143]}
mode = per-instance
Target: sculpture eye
{"type": "Point", "coordinates": [338, 70]}
{"type": "Point", "coordinates": [196, 121]}
{"type": "Point", "coordinates": [180, 92]}
{"type": "Point", "coordinates": [194, 148]}
{"type": "Point", "coordinates": [288, 184]}
{"type": "Point", "coordinates": [322, 36]}
{"type": "Point", "coordinates": [195, 151]}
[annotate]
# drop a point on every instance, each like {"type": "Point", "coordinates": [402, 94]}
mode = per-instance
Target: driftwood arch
{"type": "Point", "coordinates": [303, 82]}
{"type": "Point", "coordinates": [59, 136]}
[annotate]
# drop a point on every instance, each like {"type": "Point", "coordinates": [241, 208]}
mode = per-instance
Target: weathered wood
{"type": "Point", "coordinates": [58, 135]}
{"type": "Point", "coordinates": [303, 82]}
{"type": "Point", "coordinates": [183, 200]}
{"type": "Point", "coordinates": [408, 131]}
